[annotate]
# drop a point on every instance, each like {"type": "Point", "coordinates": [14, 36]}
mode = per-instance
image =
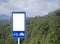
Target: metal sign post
{"type": "Point", "coordinates": [18, 25]}
{"type": "Point", "coordinates": [18, 40]}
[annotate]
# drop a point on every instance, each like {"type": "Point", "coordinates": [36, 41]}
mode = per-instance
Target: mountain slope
{"type": "Point", "coordinates": [39, 30]}
{"type": "Point", "coordinates": [45, 30]}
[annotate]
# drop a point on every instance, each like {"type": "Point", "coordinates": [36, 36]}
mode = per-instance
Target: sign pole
{"type": "Point", "coordinates": [18, 40]}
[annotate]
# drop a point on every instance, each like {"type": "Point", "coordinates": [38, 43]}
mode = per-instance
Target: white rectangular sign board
{"type": "Point", "coordinates": [18, 25]}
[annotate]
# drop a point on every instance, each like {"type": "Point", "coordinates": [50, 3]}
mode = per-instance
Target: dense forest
{"type": "Point", "coordinates": [39, 30]}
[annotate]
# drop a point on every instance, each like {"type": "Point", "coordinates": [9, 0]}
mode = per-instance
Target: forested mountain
{"type": "Point", "coordinates": [39, 30]}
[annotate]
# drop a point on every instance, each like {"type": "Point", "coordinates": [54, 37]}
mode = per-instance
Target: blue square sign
{"type": "Point", "coordinates": [18, 24]}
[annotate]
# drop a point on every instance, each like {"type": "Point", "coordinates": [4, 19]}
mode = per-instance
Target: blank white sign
{"type": "Point", "coordinates": [18, 22]}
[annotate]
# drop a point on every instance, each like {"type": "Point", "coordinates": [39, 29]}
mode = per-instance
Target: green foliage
{"type": "Point", "coordinates": [39, 30]}
{"type": "Point", "coordinates": [5, 34]}
{"type": "Point", "coordinates": [43, 30]}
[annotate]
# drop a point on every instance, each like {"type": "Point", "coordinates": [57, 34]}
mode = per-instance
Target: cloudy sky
{"type": "Point", "coordinates": [32, 7]}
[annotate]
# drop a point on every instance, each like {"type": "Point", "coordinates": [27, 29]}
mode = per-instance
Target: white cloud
{"type": "Point", "coordinates": [41, 7]}
{"type": "Point", "coordinates": [11, 5]}
{"type": "Point", "coordinates": [32, 7]}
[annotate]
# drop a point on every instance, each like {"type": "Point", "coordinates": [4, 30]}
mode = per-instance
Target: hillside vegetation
{"type": "Point", "coordinates": [39, 30]}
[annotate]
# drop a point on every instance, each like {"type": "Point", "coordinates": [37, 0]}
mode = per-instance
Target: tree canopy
{"type": "Point", "coordinates": [39, 30]}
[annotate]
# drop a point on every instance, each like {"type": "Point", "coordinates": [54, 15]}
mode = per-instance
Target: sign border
{"type": "Point", "coordinates": [24, 23]}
